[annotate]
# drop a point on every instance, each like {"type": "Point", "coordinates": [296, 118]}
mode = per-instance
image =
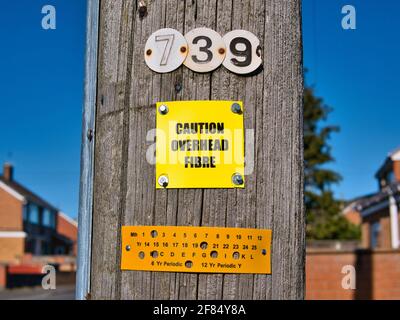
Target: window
{"type": "Point", "coordinates": [29, 246]}
{"type": "Point", "coordinates": [33, 214]}
{"type": "Point", "coordinates": [390, 177]}
{"type": "Point", "coordinates": [46, 248]}
{"type": "Point", "coordinates": [26, 213]}
{"type": "Point", "coordinates": [48, 218]}
{"type": "Point", "coordinates": [60, 250]}
{"type": "Point", "coordinates": [375, 230]}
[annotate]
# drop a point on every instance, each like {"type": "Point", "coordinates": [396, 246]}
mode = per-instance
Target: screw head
{"type": "Point", "coordinates": [178, 87]}
{"type": "Point", "coordinates": [237, 179]}
{"type": "Point", "coordinates": [148, 52]}
{"type": "Point", "coordinates": [183, 49]}
{"type": "Point", "coordinates": [236, 108]}
{"type": "Point", "coordinates": [89, 134]}
{"type": "Point", "coordinates": [163, 109]}
{"type": "Point", "coordinates": [163, 181]}
{"type": "Point", "coordinates": [128, 248]}
{"type": "Point", "coordinates": [221, 50]}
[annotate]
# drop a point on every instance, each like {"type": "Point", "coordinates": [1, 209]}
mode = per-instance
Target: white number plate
{"type": "Point", "coordinates": [203, 50]}
{"type": "Point", "coordinates": [165, 50]}
{"type": "Point", "coordinates": [206, 50]}
{"type": "Point", "coordinates": [243, 54]}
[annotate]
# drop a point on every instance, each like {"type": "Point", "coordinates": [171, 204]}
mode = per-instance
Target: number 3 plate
{"type": "Point", "coordinates": [206, 50]}
{"type": "Point", "coordinates": [165, 50]}
{"type": "Point", "coordinates": [243, 54]}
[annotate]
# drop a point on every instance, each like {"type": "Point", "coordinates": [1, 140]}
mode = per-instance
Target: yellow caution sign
{"type": "Point", "coordinates": [196, 249]}
{"type": "Point", "coordinates": [200, 144]}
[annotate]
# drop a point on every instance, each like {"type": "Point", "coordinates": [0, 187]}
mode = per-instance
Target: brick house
{"type": "Point", "coordinates": [378, 213]}
{"type": "Point", "coordinates": [29, 225]}
{"type": "Point", "coordinates": [377, 262]}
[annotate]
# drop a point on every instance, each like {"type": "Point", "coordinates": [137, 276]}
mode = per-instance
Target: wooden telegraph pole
{"type": "Point", "coordinates": [118, 183]}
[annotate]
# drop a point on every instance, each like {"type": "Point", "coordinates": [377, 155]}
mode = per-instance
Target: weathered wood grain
{"type": "Point", "coordinates": [124, 191]}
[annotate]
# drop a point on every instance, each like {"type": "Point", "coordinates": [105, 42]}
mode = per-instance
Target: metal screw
{"type": "Point", "coordinates": [128, 248]}
{"type": "Point", "coordinates": [90, 134]}
{"type": "Point", "coordinates": [221, 51]}
{"type": "Point", "coordinates": [178, 87]}
{"type": "Point", "coordinates": [163, 109]}
{"type": "Point", "coordinates": [163, 181]}
{"type": "Point", "coordinates": [236, 108]}
{"type": "Point", "coordinates": [237, 179]}
{"type": "Point", "coordinates": [264, 252]}
{"type": "Point", "coordinates": [183, 49]}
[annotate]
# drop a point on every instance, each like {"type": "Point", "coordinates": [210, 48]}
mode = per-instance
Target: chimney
{"type": "Point", "coordinates": [8, 172]}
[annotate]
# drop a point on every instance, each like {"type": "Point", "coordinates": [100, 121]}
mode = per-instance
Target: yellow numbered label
{"type": "Point", "coordinates": [196, 249]}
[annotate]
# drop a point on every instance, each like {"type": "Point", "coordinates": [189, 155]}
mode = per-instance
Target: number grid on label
{"type": "Point", "coordinates": [196, 249]}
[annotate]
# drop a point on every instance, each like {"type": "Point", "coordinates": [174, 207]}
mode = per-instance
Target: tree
{"type": "Point", "coordinates": [323, 211]}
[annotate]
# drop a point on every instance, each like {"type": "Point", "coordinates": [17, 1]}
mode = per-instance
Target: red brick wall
{"type": "Point", "coordinates": [396, 169]}
{"type": "Point", "coordinates": [10, 212]}
{"type": "Point", "coordinates": [384, 238]}
{"type": "Point", "coordinates": [11, 250]}
{"type": "Point", "coordinates": [366, 235]}
{"type": "Point", "coordinates": [353, 216]}
{"type": "Point", "coordinates": [3, 276]}
{"type": "Point", "coordinates": [67, 229]}
{"type": "Point", "coordinates": [377, 274]}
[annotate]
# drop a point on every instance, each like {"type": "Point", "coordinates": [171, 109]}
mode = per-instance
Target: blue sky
{"type": "Point", "coordinates": [356, 72]}
{"type": "Point", "coordinates": [41, 82]}
{"type": "Point", "coordinates": [41, 97]}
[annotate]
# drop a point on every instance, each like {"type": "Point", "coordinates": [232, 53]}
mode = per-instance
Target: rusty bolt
{"type": "Point", "coordinates": [183, 49]}
{"type": "Point", "coordinates": [148, 52]}
{"type": "Point", "coordinates": [221, 51]}
{"type": "Point", "coordinates": [142, 9]}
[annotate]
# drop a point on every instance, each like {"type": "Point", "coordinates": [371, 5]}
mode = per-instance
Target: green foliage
{"type": "Point", "coordinates": [323, 211]}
